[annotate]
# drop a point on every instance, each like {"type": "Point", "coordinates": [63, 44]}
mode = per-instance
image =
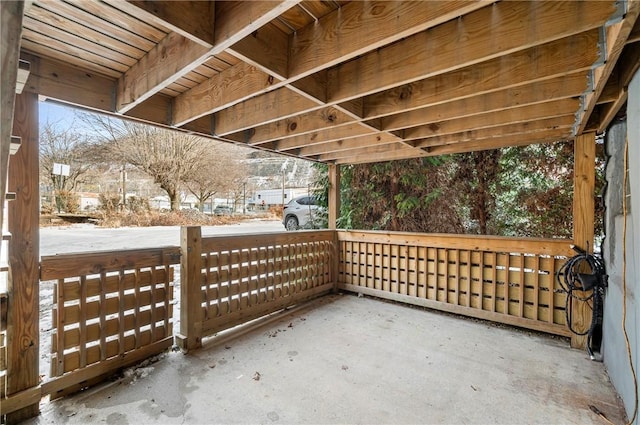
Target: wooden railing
{"type": "Point", "coordinates": [111, 309]}
{"type": "Point", "coordinates": [229, 280]}
{"type": "Point", "coordinates": [506, 280]}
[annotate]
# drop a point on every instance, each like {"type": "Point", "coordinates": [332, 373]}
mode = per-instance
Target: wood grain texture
{"type": "Point", "coordinates": [583, 220]}
{"type": "Point", "coordinates": [23, 333]}
{"type": "Point", "coordinates": [11, 16]}
{"type": "Point", "coordinates": [191, 315]}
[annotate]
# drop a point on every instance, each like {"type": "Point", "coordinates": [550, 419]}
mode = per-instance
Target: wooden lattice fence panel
{"type": "Point", "coordinates": [110, 309]}
{"type": "Point", "coordinates": [245, 277]}
{"type": "Point", "coordinates": [501, 279]}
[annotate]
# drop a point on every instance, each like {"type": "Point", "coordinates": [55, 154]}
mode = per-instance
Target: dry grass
{"type": "Point", "coordinates": [173, 218]}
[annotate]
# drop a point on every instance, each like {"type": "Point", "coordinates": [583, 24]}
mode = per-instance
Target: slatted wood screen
{"type": "Point", "coordinates": [110, 309]}
{"type": "Point", "coordinates": [245, 277]}
{"type": "Point", "coordinates": [501, 279]}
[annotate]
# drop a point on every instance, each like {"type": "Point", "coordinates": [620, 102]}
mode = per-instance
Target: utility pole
{"type": "Point", "coordinates": [244, 198]}
{"type": "Point", "coordinates": [124, 187]}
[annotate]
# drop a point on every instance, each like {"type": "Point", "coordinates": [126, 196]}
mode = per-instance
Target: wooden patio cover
{"type": "Point", "coordinates": [341, 81]}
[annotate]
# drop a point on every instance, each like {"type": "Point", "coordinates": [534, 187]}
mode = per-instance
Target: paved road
{"type": "Point", "coordinates": [86, 237]}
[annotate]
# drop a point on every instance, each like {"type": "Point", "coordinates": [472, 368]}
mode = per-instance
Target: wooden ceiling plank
{"type": "Point", "coordinates": [564, 122]}
{"type": "Point", "coordinates": [36, 29]}
{"type": "Point", "coordinates": [72, 50]}
{"type": "Point", "coordinates": [70, 84]}
{"type": "Point", "coordinates": [102, 23]}
{"type": "Point", "coordinates": [130, 20]}
{"type": "Point", "coordinates": [65, 24]}
{"type": "Point", "coordinates": [499, 142]}
{"type": "Point", "coordinates": [192, 19]}
{"type": "Point", "coordinates": [91, 67]}
{"type": "Point", "coordinates": [512, 30]}
{"type": "Point", "coordinates": [353, 129]}
{"type": "Point", "coordinates": [172, 58]}
{"type": "Point", "coordinates": [177, 55]}
{"type": "Point", "coordinates": [322, 45]}
{"type": "Point", "coordinates": [494, 119]}
{"type": "Point", "coordinates": [615, 41]}
{"type": "Point", "coordinates": [346, 144]}
{"type": "Point", "coordinates": [226, 88]}
{"type": "Point", "coordinates": [530, 94]}
{"type": "Point", "coordinates": [544, 62]}
{"type": "Point", "coordinates": [267, 47]}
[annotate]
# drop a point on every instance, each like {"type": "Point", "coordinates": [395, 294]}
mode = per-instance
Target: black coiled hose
{"type": "Point", "coordinates": [585, 273]}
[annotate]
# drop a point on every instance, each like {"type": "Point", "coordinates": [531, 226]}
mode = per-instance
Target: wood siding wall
{"type": "Point", "coordinates": [501, 279]}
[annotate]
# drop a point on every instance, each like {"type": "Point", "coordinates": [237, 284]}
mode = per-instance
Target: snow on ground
{"type": "Point", "coordinates": [87, 238]}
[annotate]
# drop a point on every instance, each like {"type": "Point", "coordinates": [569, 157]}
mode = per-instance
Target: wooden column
{"type": "Point", "coordinates": [334, 213]}
{"type": "Point", "coordinates": [191, 314]}
{"type": "Point", "coordinates": [23, 283]}
{"type": "Point", "coordinates": [334, 195]}
{"type": "Point", "coordinates": [584, 173]}
{"type": "Point", "coordinates": [10, 34]}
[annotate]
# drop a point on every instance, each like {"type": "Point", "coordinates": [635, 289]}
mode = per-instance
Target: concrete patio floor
{"type": "Point", "coordinates": [345, 359]}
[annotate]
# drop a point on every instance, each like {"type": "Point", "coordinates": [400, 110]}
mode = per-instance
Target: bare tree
{"type": "Point", "coordinates": [221, 171]}
{"type": "Point", "coordinates": [64, 145]}
{"type": "Point", "coordinates": [171, 158]}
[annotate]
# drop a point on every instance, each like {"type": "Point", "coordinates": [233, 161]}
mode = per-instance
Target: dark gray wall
{"type": "Point", "coordinates": [614, 346]}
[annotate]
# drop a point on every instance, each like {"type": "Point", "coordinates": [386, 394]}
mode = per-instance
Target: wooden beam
{"type": "Point", "coordinates": [547, 61]}
{"type": "Point", "coordinates": [529, 94]}
{"type": "Point", "coordinates": [172, 58]}
{"type": "Point", "coordinates": [616, 39]}
{"type": "Point", "coordinates": [561, 123]}
{"type": "Point", "coordinates": [512, 29]}
{"type": "Point", "coordinates": [334, 196]}
{"type": "Point", "coordinates": [176, 55]}
{"type": "Point", "coordinates": [406, 153]}
{"type": "Point", "coordinates": [70, 84]}
{"type": "Point", "coordinates": [230, 86]}
{"type": "Point", "coordinates": [23, 332]}
{"type": "Point", "coordinates": [499, 142]}
{"type": "Point", "coordinates": [320, 45]}
{"type": "Point", "coordinates": [583, 220]}
{"type": "Point", "coordinates": [324, 136]}
{"type": "Point", "coordinates": [627, 66]}
{"type": "Point", "coordinates": [494, 119]}
{"type": "Point", "coordinates": [11, 14]}
{"type": "Point", "coordinates": [346, 144]}
{"type": "Point", "coordinates": [377, 150]}
{"type": "Point", "coordinates": [191, 19]}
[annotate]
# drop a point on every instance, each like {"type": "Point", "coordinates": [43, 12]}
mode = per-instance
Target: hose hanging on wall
{"type": "Point", "coordinates": [585, 273]}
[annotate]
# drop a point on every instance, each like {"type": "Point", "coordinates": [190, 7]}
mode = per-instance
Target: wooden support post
{"type": "Point", "coordinates": [11, 13]}
{"type": "Point", "coordinates": [24, 256]}
{"type": "Point", "coordinates": [334, 213]}
{"type": "Point", "coordinates": [334, 195]}
{"type": "Point", "coordinates": [584, 172]}
{"type": "Point", "coordinates": [191, 314]}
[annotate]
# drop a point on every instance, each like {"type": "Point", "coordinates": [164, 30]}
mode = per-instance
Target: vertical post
{"type": "Point", "coordinates": [11, 13]}
{"type": "Point", "coordinates": [334, 213]}
{"type": "Point", "coordinates": [584, 172]}
{"type": "Point", "coordinates": [334, 195]}
{"type": "Point", "coordinates": [191, 315]}
{"type": "Point", "coordinates": [24, 256]}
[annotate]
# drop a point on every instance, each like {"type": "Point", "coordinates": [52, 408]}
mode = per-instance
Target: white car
{"type": "Point", "coordinates": [302, 212]}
